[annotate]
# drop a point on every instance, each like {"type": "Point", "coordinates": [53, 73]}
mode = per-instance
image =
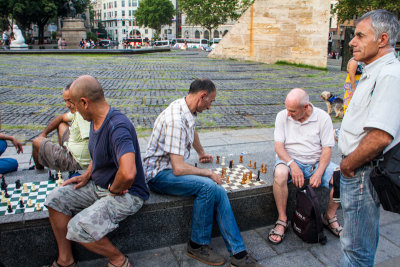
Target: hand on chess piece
{"type": "Point", "coordinates": [79, 180]}
{"type": "Point", "coordinates": [205, 158]}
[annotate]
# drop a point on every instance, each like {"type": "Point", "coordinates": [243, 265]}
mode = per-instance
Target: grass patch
{"type": "Point", "coordinates": [17, 127]}
{"type": "Point", "coordinates": [300, 65]}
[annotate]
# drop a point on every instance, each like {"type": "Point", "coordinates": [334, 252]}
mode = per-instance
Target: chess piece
{"type": "Point", "coordinates": [52, 177]}
{"type": "Point", "coordinates": [25, 190]}
{"type": "Point", "coordinates": [59, 183]}
{"type": "Point", "coordinates": [21, 202]}
{"type": "Point", "coordinates": [38, 206]}
{"type": "Point", "coordinates": [3, 183]}
{"type": "Point", "coordinates": [30, 204]}
{"type": "Point", "coordinates": [250, 175]}
{"type": "Point", "coordinates": [241, 159]}
{"type": "Point", "coordinates": [243, 180]}
{"type": "Point", "coordinates": [255, 165]}
{"type": "Point", "coordinates": [59, 175]}
{"type": "Point", "coordinates": [227, 180]}
{"type": "Point", "coordinates": [258, 176]}
{"type": "Point", "coordinates": [249, 163]}
{"type": "Point", "coordinates": [3, 197]}
{"type": "Point", "coordinates": [262, 167]}
{"type": "Point", "coordinates": [18, 184]}
{"type": "Point", "coordinates": [230, 164]}
{"type": "Point", "coordinates": [223, 161]}
{"type": "Point", "coordinates": [195, 165]}
{"type": "Point", "coordinates": [6, 193]}
{"type": "Point", "coordinates": [9, 207]}
{"type": "Point", "coordinates": [265, 168]}
{"type": "Point", "coordinates": [248, 179]}
{"type": "Point", "coordinates": [217, 162]}
{"type": "Point", "coordinates": [33, 188]}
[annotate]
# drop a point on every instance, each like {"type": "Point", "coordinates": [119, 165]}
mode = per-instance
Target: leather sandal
{"type": "Point", "coordinates": [276, 232]}
{"type": "Point", "coordinates": [328, 225]}
{"type": "Point", "coordinates": [125, 264]}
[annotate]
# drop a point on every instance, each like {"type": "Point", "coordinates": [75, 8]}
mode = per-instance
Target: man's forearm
{"type": "Point", "coordinates": [281, 152]}
{"type": "Point", "coordinates": [53, 125]}
{"type": "Point", "coordinates": [6, 137]}
{"type": "Point", "coordinates": [197, 145]}
{"type": "Point", "coordinates": [369, 148]}
{"type": "Point", "coordinates": [324, 160]}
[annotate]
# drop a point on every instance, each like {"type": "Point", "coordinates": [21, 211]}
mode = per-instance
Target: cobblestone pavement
{"type": "Point", "coordinates": [249, 94]}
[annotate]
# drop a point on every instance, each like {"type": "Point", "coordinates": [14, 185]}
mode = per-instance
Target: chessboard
{"type": "Point", "coordinates": [235, 178]}
{"type": "Point", "coordinates": [43, 188]}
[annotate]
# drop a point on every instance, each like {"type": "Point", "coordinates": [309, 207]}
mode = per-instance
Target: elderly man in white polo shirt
{"type": "Point", "coordinates": [303, 145]}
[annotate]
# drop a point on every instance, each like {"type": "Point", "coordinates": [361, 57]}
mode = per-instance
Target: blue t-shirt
{"type": "Point", "coordinates": [116, 137]}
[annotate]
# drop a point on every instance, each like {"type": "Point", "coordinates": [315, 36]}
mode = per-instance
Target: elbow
{"type": "Point", "coordinates": [177, 171]}
{"type": "Point", "coordinates": [129, 177]}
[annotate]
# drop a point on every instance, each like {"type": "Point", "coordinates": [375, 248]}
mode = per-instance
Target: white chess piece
{"type": "Point", "coordinates": [223, 161]}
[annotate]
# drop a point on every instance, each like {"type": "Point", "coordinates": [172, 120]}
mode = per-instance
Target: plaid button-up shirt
{"type": "Point", "coordinates": [173, 132]}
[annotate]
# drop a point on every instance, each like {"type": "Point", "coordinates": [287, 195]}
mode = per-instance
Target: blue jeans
{"type": "Point", "coordinates": [6, 165]}
{"type": "Point", "coordinates": [361, 213]}
{"type": "Point", "coordinates": [210, 198]}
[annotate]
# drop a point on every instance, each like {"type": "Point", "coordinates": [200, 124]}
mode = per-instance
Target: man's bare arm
{"type": "Point", "coordinates": [370, 146]}
{"type": "Point", "coordinates": [203, 156]}
{"type": "Point", "coordinates": [125, 175]}
{"type": "Point", "coordinates": [324, 159]}
{"type": "Point", "coordinates": [180, 167]}
{"type": "Point", "coordinates": [16, 143]}
{"type": "Point", "coordinates": [295, 171]}
{"type": "Point", "coordinates": [54, 124]}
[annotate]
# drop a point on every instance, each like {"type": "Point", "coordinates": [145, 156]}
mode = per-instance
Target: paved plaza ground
{"type": "Point", "coordinates": [141, 86]}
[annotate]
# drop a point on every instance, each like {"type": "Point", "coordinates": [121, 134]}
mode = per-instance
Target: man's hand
{"type": "Point", "coordinates": [17, 145]}
{"type": "Point", "coordinates": [80, 181]}
{"type": "Point", "coordinates": [297, 174]}
{"type": "Point", "coordinates": [315, 180]}
{"type": "Point", "coordinates": [346, 169]}
{"type": "Point", "coordinates": [205, 158]}
{"type": "Point", "coordinates": [216, 178]}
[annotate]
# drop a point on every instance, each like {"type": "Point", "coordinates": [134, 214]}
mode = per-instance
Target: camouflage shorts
{"type": "Point", "coordinates": [95, 212]}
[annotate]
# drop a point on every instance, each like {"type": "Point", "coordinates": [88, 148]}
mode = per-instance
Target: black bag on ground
{"type": "Point", "coordinates": [385, 177]}
{"type": "Point", "coordinates": [306, 222]}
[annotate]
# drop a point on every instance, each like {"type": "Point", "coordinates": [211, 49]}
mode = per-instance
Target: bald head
{"type": "Point", "coordinates": [88, 87]}
{"type": "Point", "coordinates": [297, 97]}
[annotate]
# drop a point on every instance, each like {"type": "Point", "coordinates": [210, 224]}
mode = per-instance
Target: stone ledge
{"type": "Point", "coordinates": [163, 221]}
{"type": "Point", "coordinates": [87, 51]}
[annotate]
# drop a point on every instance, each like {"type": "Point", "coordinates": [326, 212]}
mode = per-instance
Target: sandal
{"type": "Point", "coordinates": [125, 264]}
{"type": "Point", "coordinates": [276, 232]}
{"type": "Point", "coordinates": [55, 264]}
{"type": "Point", "coordinates": [328, 224]}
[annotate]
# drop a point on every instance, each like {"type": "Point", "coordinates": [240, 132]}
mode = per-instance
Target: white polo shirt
{"type": "Point", "coordinates": [375, 104]}
{"type": "Point", "coordinates": [304, 140]}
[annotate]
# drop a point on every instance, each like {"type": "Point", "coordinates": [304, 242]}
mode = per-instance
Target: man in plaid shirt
{"type": "Point", "coordinates": [167, 172]}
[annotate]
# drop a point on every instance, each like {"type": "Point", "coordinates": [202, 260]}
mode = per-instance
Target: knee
{"type": "Point", "coordinates": [36, 142]}
{"type": "Point", "coordinates": [208, 187]}
{"type": "Point", "coordinates": [3, 146]}
{"type": "Point", "coordinates": [281, 175]}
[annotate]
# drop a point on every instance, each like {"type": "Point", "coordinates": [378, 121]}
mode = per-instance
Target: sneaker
{"type": "Point", "coordinates": [206, 255]}
{"type": "Point", "coordinates": [246, 261]}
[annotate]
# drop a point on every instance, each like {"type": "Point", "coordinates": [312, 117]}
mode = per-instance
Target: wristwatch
{"type": "Point", "coordinates": [290, 162]}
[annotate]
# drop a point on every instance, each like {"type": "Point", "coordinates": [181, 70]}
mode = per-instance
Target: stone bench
{"type": "Point", "coordinates": [27, 239]}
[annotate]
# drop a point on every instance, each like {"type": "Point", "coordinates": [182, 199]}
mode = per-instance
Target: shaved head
{"type": "Point", "coordinates": [297, 97]}
{"type": "Point", "coordinates": [88, 87]}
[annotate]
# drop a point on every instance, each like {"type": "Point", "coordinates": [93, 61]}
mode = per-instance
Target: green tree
{"type": "Point", "coordinates": [4, 15]}
{"type": "Point", "coordinates": [212, 13]}
{"type": "Point", "coordinates": [350, 9]}
{"type": "Point", "coordinates": [154, 14]}
{"type": "Point", "coordinates": [39, 12]}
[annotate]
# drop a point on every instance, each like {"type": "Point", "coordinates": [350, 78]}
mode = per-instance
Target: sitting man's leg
{"type": "Point", "coordinates": [280, 189]}
{"type": "Point", "coordinates": [90, 226]}
{"type": "Point", "coordinates": [329, 218]}
{"type": "Point", "coordinates": [6, 164]}
{"type": "Point", "coordinates": [53, 156]}
{"type": "Point", "coordinates": [203, 188]}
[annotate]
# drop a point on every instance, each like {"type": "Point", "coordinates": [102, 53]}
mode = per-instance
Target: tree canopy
{"type": "Point", "coordinates": [350, 9]}
{"type": "Point", "coordinates": [154, 14]}
{"type": "Point", "coordinates": [38, 12]}
{"type": "Point", "coordinates": [212, 13]}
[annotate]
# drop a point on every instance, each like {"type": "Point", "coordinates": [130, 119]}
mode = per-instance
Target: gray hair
{"type": "Point", "coordinates": [382, 21]}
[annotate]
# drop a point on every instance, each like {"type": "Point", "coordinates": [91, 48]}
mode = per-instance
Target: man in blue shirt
{"type": "Point", "coordinates": [87, 207]}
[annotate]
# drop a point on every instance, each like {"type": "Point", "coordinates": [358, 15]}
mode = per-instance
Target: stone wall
{"type": "Point", "coordinates": [288, 30]}
{"type": "Point", "coordinates": [73, 32]}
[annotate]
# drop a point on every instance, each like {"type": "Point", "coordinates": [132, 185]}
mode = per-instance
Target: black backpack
{"type": "Point", "coordinates": [307, 222]}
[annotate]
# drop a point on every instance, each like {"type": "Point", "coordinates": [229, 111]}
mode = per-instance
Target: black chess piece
{"type": "Point", "coordinates": [195, 164]}
{"type": "Point", "coordinates": [21, 203]}
{"type": "Point", "coordinates": [9, 208]}
{"type": "Point", "coordinates": [258, 176]}
{"type": "Point", "coordinates": [6, 193]}
{"type": "Point", "coordinates": [230, 164]}
{"type": "Point", "coordinates": [18, 184]}
{"type": "Point", "coordinates": [52, 177]}
{"type": "Point", "coordinates": [3, 183]}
